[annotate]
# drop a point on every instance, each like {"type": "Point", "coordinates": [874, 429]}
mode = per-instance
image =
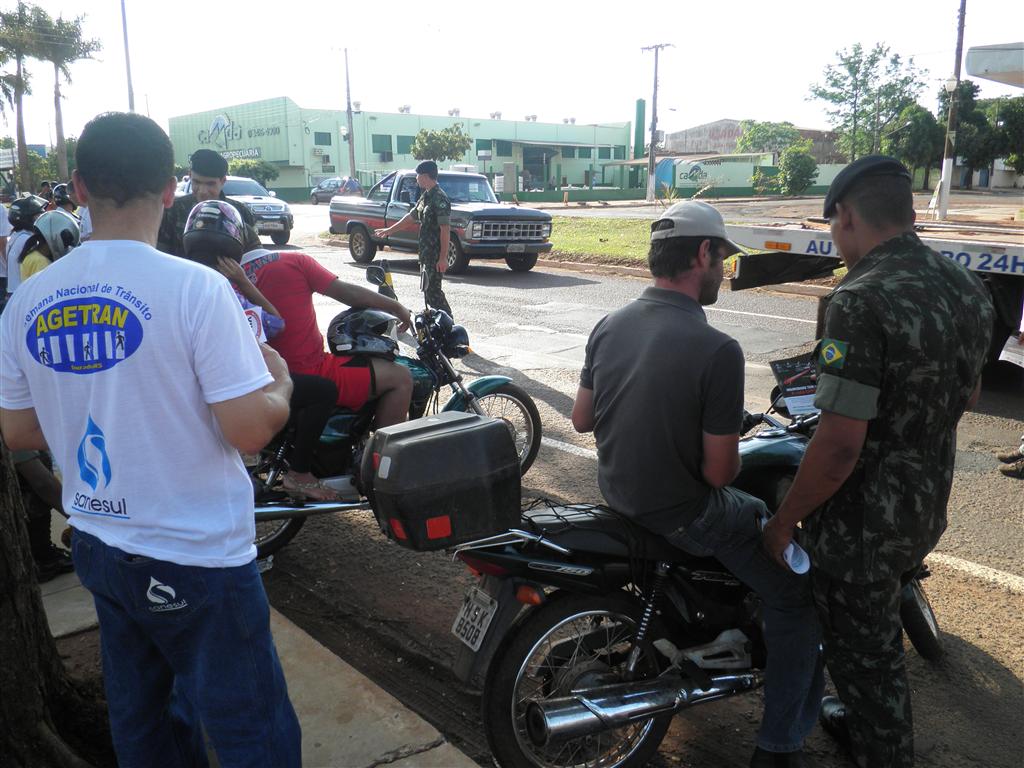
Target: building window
{"type": "Point", "coordinates": [568, 153]}
{"type": "Point", "coordinates": [405, 144]}
{"type": "Point", "coordinates": [583, 153]}
{"type": "Point", "coordinates": [381, 142]}
{"type": "Point", "coordinates": [503, 148]}
{"type": "Point", "coordinates": [604, 153]}
{"type": "Point", "coordinates": [483, 145]}
{"type": "Point", "coordinates": [322, 138]}
{"type": "Point", "coordinates": [620, 152]}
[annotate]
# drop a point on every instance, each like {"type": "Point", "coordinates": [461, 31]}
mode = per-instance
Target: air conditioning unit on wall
{"type": "Point", "coordinates": [387, 157]}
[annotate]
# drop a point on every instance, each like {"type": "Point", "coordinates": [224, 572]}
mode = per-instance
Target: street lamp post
{"type": "Point", "coordinates": [651, 162]}
{"type": "Point", "coordinates": [940, 202]}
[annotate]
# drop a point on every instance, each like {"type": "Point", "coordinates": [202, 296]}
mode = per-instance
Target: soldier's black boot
{"type": "Point", "coordinates": [833, 720]}
{"type": "Point", "coordinates": [764, 759]}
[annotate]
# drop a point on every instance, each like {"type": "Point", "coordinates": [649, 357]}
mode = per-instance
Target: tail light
{"type": "Point", "coordinates": [481, 566]}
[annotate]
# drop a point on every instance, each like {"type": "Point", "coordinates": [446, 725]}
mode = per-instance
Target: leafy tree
{"type": "Point", "coordinates": [260, 170]}
{"type": "Point", "coordinates": [797, 169]}
{"type": "Point", "coordinates": [977, 139]}
{"type": "Point", "coordinates": [867, 91]}
{"type": "Point", "coordinates": [766, 137]}
{"type": "Point", "coordinates": [60, 42]}
{"type": "Point", "coordinates": [450, 143]}
{"type": "Point", "coordinates": [7, 143]}
{"type": "Point", "coordinates": [764, 183]}
{"type": "Point", "coordinates": [18, 41]}
{"type": "Point", "coordinates": [918, 141]}
{"type": "Point", "coordinates": [1010, 121]}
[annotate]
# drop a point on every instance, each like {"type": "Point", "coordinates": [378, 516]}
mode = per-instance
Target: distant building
{"type": "Point", "coordinates": [720, 137]}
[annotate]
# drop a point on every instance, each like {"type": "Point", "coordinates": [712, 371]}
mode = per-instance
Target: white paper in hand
{"type": "Point", "coordinates": [794, 555]}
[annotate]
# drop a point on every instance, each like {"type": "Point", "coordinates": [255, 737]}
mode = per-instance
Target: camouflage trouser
{"type": "Point", "coordinates": [864, 654]}
{"type": "Point", "coordinates": [431, 282]}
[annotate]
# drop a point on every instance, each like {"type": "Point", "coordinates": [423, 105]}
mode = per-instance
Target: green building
{"type": "Point", "coordinates": [309, 145]}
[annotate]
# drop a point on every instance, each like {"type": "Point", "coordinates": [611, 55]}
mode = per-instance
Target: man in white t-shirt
{"type": "Point", "coordinates": [5, 231]}
{"type": "Point", "coordinates": [140, 374]}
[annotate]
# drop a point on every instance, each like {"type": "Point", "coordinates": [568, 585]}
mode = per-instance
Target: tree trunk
{"type": "Point", "coordinates": [40, 705]}
{"type": "Point", "coordinates": [927, 171]}
{"type": "Point", "coordinates": [62, 147]}
{"type": "Point", "coordinates": [24, 172]}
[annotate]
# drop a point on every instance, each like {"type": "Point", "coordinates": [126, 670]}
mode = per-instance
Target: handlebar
{"type": "Point", "coordinates": [799, 424]}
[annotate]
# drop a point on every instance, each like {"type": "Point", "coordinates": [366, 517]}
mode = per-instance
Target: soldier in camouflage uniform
{"type": "Point", "coordinates": [433, 213]}
{"type": "Point", "coordinates": [905, 337]}
{"type": "Point", "coordinates": [208, 173]}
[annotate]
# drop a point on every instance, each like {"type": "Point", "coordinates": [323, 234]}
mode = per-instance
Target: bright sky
{"type": "Point", "coordinates": [732, 59]}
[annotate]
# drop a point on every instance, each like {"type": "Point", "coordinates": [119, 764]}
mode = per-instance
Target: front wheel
{"type": "Point", "coordinates": [313, 199]}
{"type": "Point", "coordinates": [521, 263]}
{"type": "Point", "coordinates": [919, 621]}
{"type": "Point", "coordinates": [361, 245]}
{"type": "Point", "coordinates": [569, 643]}
{"type": "Point", "coordinates": [458, 262]}
{"type": "Point", "coordinates": [281, 238]}
{"type": "Point", "coordinates": [516, 408]}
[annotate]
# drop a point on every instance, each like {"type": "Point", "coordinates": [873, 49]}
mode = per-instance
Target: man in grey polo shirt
{"type": "Point", "coordinates": [663, 393]}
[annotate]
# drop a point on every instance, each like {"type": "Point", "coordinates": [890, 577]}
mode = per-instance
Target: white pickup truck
{"type": "Point", "coordinates": [795, 252]}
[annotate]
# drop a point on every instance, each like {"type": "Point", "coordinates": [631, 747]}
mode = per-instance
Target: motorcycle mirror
{"type": "Point", "coordinates": [375, 275]}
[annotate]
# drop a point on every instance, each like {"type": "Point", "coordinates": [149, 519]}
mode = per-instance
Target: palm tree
{"type": "Point", "coordinates": [18, 41]}
{"type": "Point", "coordinates": [62, 44]}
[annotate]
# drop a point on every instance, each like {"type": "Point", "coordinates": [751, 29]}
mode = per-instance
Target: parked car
{"type": "Point", "coordinates": [339, 185]}
{"type": "Point", "coordinates": [273, 216]}
{"type": "Point", "coordinates": [481, 227]}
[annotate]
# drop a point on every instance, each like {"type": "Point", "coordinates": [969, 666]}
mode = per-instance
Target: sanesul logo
{"type": "Point", "coordinates": [93, 458]}
{"type": "Point", "coordinates": [84, 335]}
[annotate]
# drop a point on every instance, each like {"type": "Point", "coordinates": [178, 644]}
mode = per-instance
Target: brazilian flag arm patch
{"type": "Point", "coordinates": [832, 353]}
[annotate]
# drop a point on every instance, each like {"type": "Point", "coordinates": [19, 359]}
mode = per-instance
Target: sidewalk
{"type": "Point", "coordinates": [347, 721]}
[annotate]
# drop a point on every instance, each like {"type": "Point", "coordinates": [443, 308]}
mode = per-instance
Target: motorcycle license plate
{"type": "Point", "coordinates": [475, 615]}
{"type": "Point", "coordinates": [516, 248]}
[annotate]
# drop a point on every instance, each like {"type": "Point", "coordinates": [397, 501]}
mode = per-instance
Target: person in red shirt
{"type": "Point", "coordinates": [289, 280]}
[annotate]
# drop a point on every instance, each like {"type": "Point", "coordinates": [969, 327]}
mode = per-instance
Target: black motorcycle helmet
{"type": "Point", "coordinates": [363, 332]}
{"type": "Point", "coordinates": [25, 210]}
{"type": "Point", "coordinates": [213, 228]}
{"type": "Point", "coordinates": [61, 196]}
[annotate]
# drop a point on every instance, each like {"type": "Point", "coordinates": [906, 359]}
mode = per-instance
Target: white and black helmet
{"type": "Point", "coordinates": [60, 230]}
{"type": "Point", "coordinates": [363, 332]}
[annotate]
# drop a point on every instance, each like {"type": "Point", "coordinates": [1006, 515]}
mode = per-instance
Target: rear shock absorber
{"type": "Point", "coordinates": [661, 571]}
{"type": "Point", "coordinates": [278, 463]}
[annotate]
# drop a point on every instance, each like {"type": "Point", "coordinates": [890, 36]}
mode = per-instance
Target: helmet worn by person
{"type": "Point", "coordinates": [213, 228]}
{"type": "Point", "coordinates": [24, 211]}
{"type": "Point", "coordinates": [363, 332]}
{"type": "Point", "coordinates": [61, 195]}
{"type": "Point", "coordinates": [60, 231]}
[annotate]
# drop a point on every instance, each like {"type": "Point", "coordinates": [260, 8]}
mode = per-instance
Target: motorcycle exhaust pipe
{"type": "Point", "coordinates": [265, 512]}
{"type": "Point", "coordinates": [613, 706]}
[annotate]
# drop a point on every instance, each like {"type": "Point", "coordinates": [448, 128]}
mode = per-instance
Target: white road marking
{"type": "Point", "coordinates": [575, 450]}
{"type": "Point", "coordinates": [1009, 581]}
{"type": "Point", "coordinates": [758, 314]}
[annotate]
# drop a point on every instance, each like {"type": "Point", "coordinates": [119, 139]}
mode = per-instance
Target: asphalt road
{"type": "Point", "coordinates": [388, 611]}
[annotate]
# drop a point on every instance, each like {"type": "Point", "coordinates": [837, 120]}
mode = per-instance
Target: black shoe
{"type": "Point", "coordinates": [833, 720]}
{"type": "Point", "coordinates": [51, 563]}
{"type": "Point", "coordinates": [765, 759]}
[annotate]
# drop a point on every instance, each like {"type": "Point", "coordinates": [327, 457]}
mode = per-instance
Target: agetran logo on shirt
{"type": "Point", "coordinates": [94, 468]}
{"type": "Point", "coordinates": [85, 335]}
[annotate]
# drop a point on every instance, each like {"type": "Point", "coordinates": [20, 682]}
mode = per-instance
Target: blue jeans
{"type": "Point", "coordinates": [184, 649]}
{"type": "Point", "coordinates": [794, 677]}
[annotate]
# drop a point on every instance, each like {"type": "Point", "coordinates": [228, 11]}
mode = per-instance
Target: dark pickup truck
{"type": "Point", "coordinates": [481, 227]}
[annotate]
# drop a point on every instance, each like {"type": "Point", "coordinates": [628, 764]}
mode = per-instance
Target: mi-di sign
{"type": "Point", "coordinates": [222, 129]}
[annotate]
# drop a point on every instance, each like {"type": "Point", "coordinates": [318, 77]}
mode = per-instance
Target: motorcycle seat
{"type": "Point", "coordinates": [597, 529]}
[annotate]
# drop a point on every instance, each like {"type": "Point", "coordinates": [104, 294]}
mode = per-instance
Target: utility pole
{"type": "Point", "coordinates": [940, 201]}
{"type": "Point", "coordinates": [651, 182]}
{"type": "Point", "coordinates": [127, 60]}
{"type": "Point", "coordinates": [351, 137]}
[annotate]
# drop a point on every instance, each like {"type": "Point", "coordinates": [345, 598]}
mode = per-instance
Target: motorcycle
{"type": "Point", "coordinates": [587, 633]}
{"type": "Point", "coordinates": [338, 454]}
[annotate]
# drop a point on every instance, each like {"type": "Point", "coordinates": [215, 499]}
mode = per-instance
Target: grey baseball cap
{"type": "Point", "coordinates": [692, 219]}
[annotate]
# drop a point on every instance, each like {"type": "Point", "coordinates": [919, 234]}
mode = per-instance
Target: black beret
{"type": "Point", "coordinates": [870, 165]}
{"type": "Point", "coordinates": [428, 167]}
{"type": "Point", "coordinates": [206, 162]}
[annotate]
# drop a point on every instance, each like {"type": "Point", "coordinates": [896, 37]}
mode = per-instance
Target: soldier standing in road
{"type": "Point", "coordinates": [906, 334]}
{"type": "Point", "coordinates": [433, 212]}
{"type": "Point", "coordinates": [208, 172]}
